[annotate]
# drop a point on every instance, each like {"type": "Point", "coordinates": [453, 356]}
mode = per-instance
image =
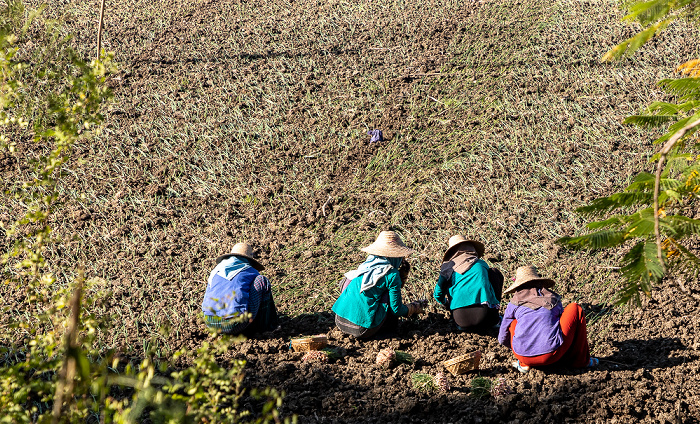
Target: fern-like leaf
{"type": "Point", "coordinates": [685, 88]}
{"type": "Point", "coordinates": [647, 121]}
{"type": "Point", "coordinates": [664, 108]}
{"type": "Point", "coordinates": [648, 12]}
{"type": "Point", "coordinates": [617, 221]}
{"type": "Point", "coordinates": [632, 44]}
{"type": "Point", "coordinates": [677, 126]}
{"type": "Point", "coordinates": [686, 261]}
{"type": "Point", "coordinates": [642, 269]}
{"type": "Point", "coordinates": [680, 226]}
{"type": "Point", "coordinates": [596, 240]}
{"type": "Point", "coordinates": [639, 193]}
{"type": "Point", "coordinates": [641, 224]}
{"type": "Point", "coordinates": [688, 106]}
{"type": "Point", "coordinates": [625, 199]}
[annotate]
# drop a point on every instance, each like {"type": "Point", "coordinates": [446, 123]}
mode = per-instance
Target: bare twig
{"type": "Point", "coordinates": [436, 100]}
{"type": "Point", "coordinates": [292, 197]}
{"type": "Point", "coordinates": [659, 168]}
{"type": "Point", "coordinates": [99, 29]}
{"type": "Point", "coordinates": [323, 208]}
{"type": "Point", "coordinates": [432, 74]}
{"type": "Point", "coordinates": [64, 386]}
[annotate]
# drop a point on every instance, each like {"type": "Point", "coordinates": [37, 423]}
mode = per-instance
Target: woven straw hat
{"type": "Point", "coordinates": [527, 274]}
{"type": "Point", "coordinates": [388, 244]}
{"type": "Point", "coordinates": [454, 243]}
{"type": "Point", "coordinates": [243, 250]}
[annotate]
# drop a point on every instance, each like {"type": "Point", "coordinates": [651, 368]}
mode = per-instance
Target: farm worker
{"type": "Point", "coordinates": [236, 287]}
{"type": "Point", "coordinates": [538, 329]}
{"type": "Point", "coordinates": [370, 297]}
{"type": "Point", "coordinates": [467, 286]}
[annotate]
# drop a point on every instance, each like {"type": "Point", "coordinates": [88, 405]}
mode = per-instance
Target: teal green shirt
{"type": "Point", "coordinates": [470, 288]}
{"type": "Point", "coordinates": [366, 309]}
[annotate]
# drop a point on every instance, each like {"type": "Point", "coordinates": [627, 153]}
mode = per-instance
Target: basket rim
{"type": "Point", "coordinates": [311, 339]}
{"type": "Point", "coordinates": [462, 358]}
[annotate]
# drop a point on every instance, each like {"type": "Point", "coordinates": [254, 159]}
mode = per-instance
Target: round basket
{"type": "Point", "coordinates": [306, 344]}
{"type": "Point", "coordinates": [464, 363]}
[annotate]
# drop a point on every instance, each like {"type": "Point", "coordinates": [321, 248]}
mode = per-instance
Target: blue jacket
{"type": "Point", "coordinates": [224, 298]}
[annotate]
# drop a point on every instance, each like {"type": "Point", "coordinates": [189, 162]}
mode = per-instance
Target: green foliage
{"type": "Point", "coordinates": [640, 265]}
{"type": "Point", "coordinates": [54, 103]}
{"type": "Point", "coordinates": [481, 387]}
{"type": "Point", "coordinates": [331, 353]}
{"type": "Point", "coordinates": [654, 16]}
{"type": "Point", "coordinates": [634, 220]}
{"type": "Point", "coordinates": [403, 357]}
{"type": "Point", "coordinates": [423, 382]}
{"type": "Point", "coordinates": [52, 369]}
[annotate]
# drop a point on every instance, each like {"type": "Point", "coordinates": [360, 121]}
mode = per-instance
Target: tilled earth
{"type": "Point", "coordinates": [239, 120]}
{"type": "Point", "coordinates": [647, 373]}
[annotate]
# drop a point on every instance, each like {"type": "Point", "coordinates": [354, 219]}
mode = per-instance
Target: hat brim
{"type": "Point", "coordinates": [545, 282]}
{"type": "Point", "coordinates": [388, 252]}
{"type": "Point", "coordinates": [478, 246]}
{"type": "Point", "coordinates": [254, 263]}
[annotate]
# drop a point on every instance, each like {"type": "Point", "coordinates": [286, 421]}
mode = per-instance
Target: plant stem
{"type": "Point", "coordinates": [659, 168]}
{"type": "Point", "coordinates": [99, 29]}
{"type": "Point", "coordinates": [64, 386]}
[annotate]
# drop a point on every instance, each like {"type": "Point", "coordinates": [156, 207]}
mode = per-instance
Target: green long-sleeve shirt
{"type": "Point", "coordinates": [471, 288]}
{"type": "Point", "coordinates": [365, 308]}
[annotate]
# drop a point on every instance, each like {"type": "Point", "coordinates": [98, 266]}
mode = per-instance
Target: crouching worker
{"type": "Point", "coordinates": [467, 286]}
{"type": "Point", "coordinates": [370, 298]}
{"type": "Point", "coordinates": [539, 330]}
{"type": "Point", "coordinates": [236, 287]}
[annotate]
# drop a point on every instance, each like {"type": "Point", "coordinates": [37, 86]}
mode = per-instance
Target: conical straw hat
{"type": "Point", "coordinates": [454, 243]}
{"type": "Point", "coordinates": [527, 274]}
{"type": "Point", "coordinates": [243, 250]}
{"type": "Point", "coordinates": [388, 244]}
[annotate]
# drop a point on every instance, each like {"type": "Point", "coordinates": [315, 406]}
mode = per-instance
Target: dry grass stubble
{"type": "Point", "coordinates": [246, 120]}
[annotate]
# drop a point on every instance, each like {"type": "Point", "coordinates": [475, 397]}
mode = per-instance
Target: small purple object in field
{"type": "Point", "coordinates": [376, 136]}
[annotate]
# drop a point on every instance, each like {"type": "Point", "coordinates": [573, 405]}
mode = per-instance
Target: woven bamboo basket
{"type": "Point", "coordinates": [306, 344]}
{"type": "Point", "coordinates": [464, 363]}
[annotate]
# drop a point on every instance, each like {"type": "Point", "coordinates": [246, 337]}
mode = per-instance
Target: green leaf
{"type": "Point", "coordinates": [680, 226]}
{"type": "Point", "coordinates": [673, 194]}
{"type": "Point", "coordinates": [83, 365]}
{"type": "Point", "coordinates": [648, 12]}
{"type": "Point", "coordinates": [678, 126]}
{"type": "Point", "coordinates": [688, 106]}
{"type": "Point", "coordinates": [618, 200]}
{"type": "Point", "coordinates": [632, 44]}
{"type": "Point", "coordinates": [688, 261]}
{"type": "Point", "coordinates": [616, 221]}
{"type": "Point", "coordinates": [664, 108]}
{"type": "Point", "coordinates": [642, 269]}
{"type": "Point", "coordinates": [596, 240]}
{"type": "Point", "coordinates": [683, 87]}
{"type": "Point", "coordinates": [647, 121]}
{"type": "Point", "coordinates": [641, 225]}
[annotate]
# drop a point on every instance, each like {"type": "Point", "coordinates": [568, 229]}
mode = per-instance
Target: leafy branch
{"type": "Point", "coordinates": [52, 368]}
{"type": "Point", "coordinates": [641, 212]}
{"type": "Point", "coordinates": [654, 16]}
{"type": "Point", "coordinates": [657, 182]}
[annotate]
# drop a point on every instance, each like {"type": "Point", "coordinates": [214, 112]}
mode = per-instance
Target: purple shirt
{"type": "Point", "coordinates": [537, 331]}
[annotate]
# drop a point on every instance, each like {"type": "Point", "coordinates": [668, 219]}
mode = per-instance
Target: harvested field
{"type": "Point", "coordinates": [239, 120]}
